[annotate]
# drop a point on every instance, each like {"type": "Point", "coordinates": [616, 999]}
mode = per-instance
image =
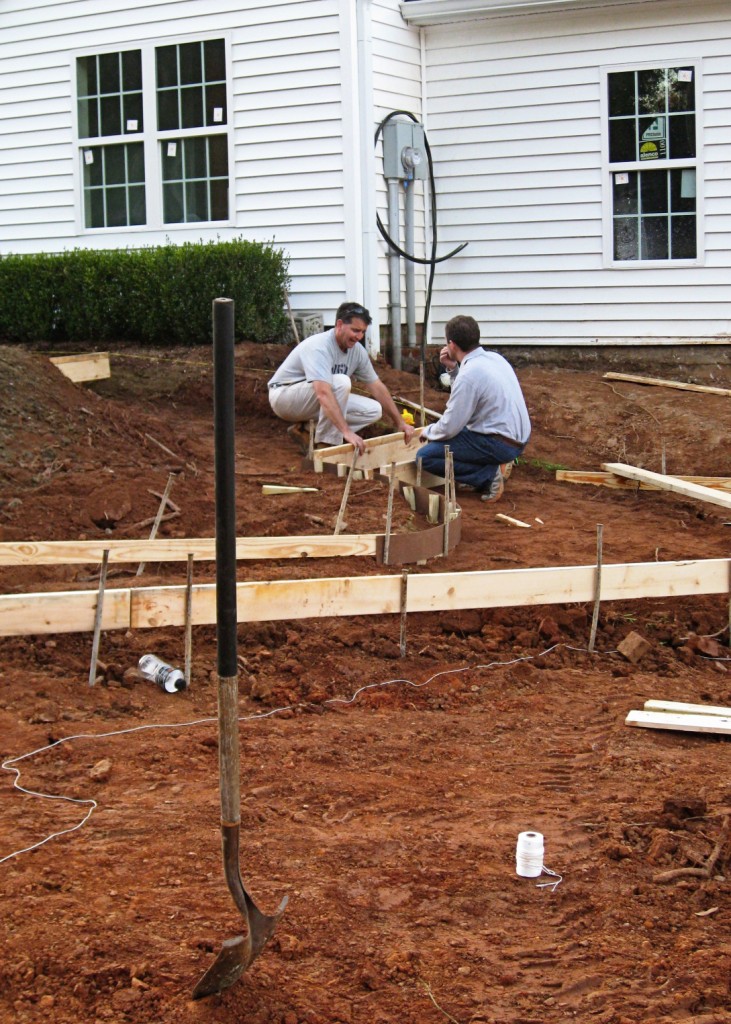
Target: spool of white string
{"type": "Point", "coordinates": [529, 855]}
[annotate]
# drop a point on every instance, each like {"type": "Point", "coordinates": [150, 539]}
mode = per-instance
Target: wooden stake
{"type": "Point", "coordinates": [291, 318]}
{"type": "Point", "coordinates": [597, 587]}
{"type": "Point", "coordinates": [389, 513]}
{"type": "Point", "coordinates": [346, 492]}
{"type": "Point", "coordinates": [98, 618]}
{"type": "Point", "coordinates": [422, 409]}
{"type": "Point", "coordinates": [404, 589]}
{"type": "Point", "coordinates": [158, 517]}
{"type": "Point", "coordinates": [189, 621]}
{"type": "Point", "coordinates": [311, 444]}
{"type": "Point", "coordinates": [447, 492]}
{"type": "Point", "coordinates": [663, 464]}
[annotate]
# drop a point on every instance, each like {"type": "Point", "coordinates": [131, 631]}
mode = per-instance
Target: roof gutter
{"type": "Point", "coordinates": [441, 12]}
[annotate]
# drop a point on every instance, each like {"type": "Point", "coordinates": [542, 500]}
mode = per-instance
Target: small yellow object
{"type": "Point", "coordinates": [407, 417]}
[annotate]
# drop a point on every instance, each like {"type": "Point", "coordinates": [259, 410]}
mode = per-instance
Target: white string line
{"type": "Point", "coordinates": [553, 885]}
{"type": "Point", "coordinates": [8, 764]}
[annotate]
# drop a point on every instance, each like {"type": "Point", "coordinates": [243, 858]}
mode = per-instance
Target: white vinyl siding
{"type": "Point", "coordinates": [397, 85]}
{"type": "Point", "coordinates": [516, 130]}
{"type": "Point", "coordinates": [286, 121]}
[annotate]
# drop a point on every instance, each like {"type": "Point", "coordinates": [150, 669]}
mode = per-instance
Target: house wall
{"type": "Point", "coordinates": [293, 107]}
{"type": "Point", "coordinates": [514, 116]}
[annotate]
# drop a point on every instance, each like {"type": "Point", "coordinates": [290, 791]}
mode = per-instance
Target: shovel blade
{"type": "Point", "coordinates": [229, 965]}
{"type": "Point", "coordinates": [238, 953]}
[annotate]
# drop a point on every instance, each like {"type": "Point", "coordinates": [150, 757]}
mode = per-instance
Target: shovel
{"type": "Point", "coordinates": [239, 952]}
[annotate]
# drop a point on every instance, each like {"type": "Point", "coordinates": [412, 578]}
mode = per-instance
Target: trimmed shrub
{"type": "Point", "coordinates": [159, 295]}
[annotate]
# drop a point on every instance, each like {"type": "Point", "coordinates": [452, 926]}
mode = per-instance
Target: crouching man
{"type": "Point", "coordinates": [486, 423]}
{"type": "Point", "coordinates": [314, 382]}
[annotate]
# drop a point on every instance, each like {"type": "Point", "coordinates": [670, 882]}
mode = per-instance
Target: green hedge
{"type": "Point", "coordinates": [158, 295]}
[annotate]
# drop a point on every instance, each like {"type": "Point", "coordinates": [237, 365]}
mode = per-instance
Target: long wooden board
{"type": "Point", "coordinates": [85, 367]}
{"type": "Point", "coordinates": [63, 612]}
{"type": "Point", "coordinates": [680, 723]}
{"type": "Point", "coordinates": [603, 479]}
{"type": "Point", "coordinates": [670, 483]}
{"type": "Point", "coordinates": [73, 611]}
{"type": "Point", "coordinates": [679, 385]}
{"type": "Point", "coordinates": [177, 549]}
{"type": "Point", "coordinates": [679, 708]}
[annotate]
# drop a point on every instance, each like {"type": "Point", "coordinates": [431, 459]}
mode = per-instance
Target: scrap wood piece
{"type": "Point", "coordinates": [284, 489]}
{"type": "Point", "coordinates": [417, 407]}
{"type": "Point", "coordinates": [84, 367]}
{"type": "Point", "coordinates": [510, 521]}
{"type": "Point", "coordinates": [679, 385]}
{"type": "Point", "coordinates": [679, 708]}
{"type": "Point", "coordinates": [604, 479]}
{"type": "Point", "coordinates": [680, 722]}
{"type": "Point", "coordinates": [670, 483]}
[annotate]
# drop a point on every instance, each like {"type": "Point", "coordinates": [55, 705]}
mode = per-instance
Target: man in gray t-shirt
{"type": "Point", "coordinates": [314, 382]}
{"type": "Point", "coordinates": [486, 423]}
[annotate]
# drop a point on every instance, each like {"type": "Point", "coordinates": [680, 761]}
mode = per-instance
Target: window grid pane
{"type": "Point", "coordinates": [654, 215]}
{"type": "Point", "coordinates": [186, 76]}
{"type": "Point", "coordinates": [109, 88]}
{"type": "Point", "coordinates": [114, 189]}
{"type": "Point", "coordinates": [651, 115]}
{"type": "Point", "coordinates": [195, 179]}
{"type": "Point", "coordinates": [190, 87]}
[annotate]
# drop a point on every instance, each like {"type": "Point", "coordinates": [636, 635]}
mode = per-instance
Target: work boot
{"type": "Point", "coordinates": [300, 434]}
{"type": "Point", "coordinates": [495, 491]}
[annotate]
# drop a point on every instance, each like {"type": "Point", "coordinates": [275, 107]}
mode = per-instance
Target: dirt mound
{"type": "Point", "coordinates": [383, 794]}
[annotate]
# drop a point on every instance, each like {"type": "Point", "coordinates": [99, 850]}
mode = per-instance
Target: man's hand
{"type": "Point", "coordinates": [355, 439]}
{"type": "Point", "coordinates": [446, 360]}
{"type": "Point", "coordinates": [408, 431]}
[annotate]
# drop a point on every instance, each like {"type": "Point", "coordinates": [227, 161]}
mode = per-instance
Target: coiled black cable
{"type": "Point", "coordinates": [432, 260]}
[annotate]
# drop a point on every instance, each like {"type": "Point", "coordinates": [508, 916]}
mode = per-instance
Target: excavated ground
{"type": "Point", "coordinates": [383, 794]}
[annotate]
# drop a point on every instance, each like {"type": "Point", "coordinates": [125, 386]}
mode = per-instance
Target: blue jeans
{"type": "Point", "coordinates": [476, 457]}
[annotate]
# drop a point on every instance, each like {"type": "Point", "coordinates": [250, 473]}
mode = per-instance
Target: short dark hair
{"type": "Point", "coordinates": [348, 311]}
{"type": "Point", "coordinates": [464, 331]}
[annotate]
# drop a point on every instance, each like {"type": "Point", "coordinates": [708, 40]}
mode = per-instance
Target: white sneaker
{"type": "Point", "coordinates": [496, 488]}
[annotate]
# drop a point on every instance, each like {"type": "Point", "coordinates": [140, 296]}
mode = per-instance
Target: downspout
{"type": "Point", "coordinates": [370, 295]}
{"type": "Point", "coordinates": [394, 272]}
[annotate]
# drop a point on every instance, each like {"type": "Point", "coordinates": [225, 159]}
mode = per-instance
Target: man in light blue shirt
{"type": "Point", "coordinates": [486, 423]}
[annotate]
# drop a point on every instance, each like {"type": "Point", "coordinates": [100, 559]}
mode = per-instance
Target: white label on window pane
{"type": "Point", "coordinates": [131, 126]}
{"type": "Point", "coordinates": [687, 184]}
{"type": "Point", "coordinates": [621, 179]}
{"type": "Point", "coordinates": [88, 156]}
{"type": "Point", "coordinates": [218, 113]}
{"type": "Point", "coordinates": [685, 75]}
{"type": "Point", "coordinates": [172, 148]}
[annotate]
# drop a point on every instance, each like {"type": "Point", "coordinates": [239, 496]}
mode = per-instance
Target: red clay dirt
{"type": "Point", "coordinates": [383, 794]}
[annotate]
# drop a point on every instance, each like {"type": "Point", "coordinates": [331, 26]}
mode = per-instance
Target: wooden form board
{"type": "Point", "coordinates": [73, 611]}
{"type": "Point", "coordinates": [604, 479]}
{"type": "Point", "coordinates": [679, 385]}
{"type": "Point", "coordinates": [85, 367]}
{"type": "Point", "coordinates": [177, 549]}
{"type": "Point", "coordinates": [379, 451]}
{"type": "Point", "coordinates": [670, 483]}
{"type": "Point", "coordinates": [679, 722]}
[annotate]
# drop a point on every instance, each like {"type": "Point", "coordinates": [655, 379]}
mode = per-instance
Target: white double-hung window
{"type": "Point", "coordinates": [152, 135]}
{"type": "Point", "coordinates": [652, 171]}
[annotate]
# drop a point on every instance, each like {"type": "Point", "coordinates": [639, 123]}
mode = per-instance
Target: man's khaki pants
{"type": "Point", "coordinates": [297, 403]}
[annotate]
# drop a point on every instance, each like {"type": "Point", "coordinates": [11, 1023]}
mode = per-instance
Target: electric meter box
{"type": "Point", "coordinates": [399, 137]}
